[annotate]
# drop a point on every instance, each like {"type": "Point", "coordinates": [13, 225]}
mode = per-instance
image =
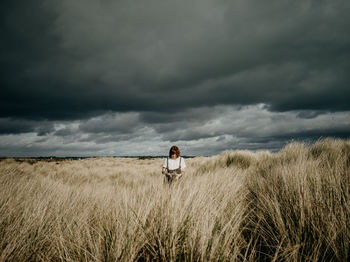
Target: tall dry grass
{"type": "Point", "coordinates": [237, 206]}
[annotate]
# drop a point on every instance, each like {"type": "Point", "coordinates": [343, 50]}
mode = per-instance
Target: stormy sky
{"type": "Point", "coordinates": [132, 77]}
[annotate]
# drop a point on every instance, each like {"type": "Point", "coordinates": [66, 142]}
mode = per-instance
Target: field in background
{"type": "Point", "coordinates": [237, 206]}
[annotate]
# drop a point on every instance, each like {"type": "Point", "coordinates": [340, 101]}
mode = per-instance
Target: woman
{"type": "Point", "coordinates": [174, 166]}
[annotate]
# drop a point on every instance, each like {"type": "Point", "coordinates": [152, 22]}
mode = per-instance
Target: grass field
{"type": "Point", "coordinates": [293, 205]}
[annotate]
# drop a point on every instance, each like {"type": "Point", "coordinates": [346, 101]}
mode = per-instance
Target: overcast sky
{"type": "Point", "coordinates": [132, 77]}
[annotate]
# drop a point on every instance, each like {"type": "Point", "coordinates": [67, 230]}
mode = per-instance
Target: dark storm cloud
{"type": "Point", "coordinates": [18, 126]}
{"type": "Point", "coordinates": [105, 77]}
{"type": "Point", "coordinates": [78, 59]}
{"type": "Point", "coordinates": [112, 123]}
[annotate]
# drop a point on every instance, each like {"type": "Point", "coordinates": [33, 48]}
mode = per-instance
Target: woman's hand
{"type": "Point", "coordinates": [164, 171]}
{"type": "Point", "coordinates": [178, 176]}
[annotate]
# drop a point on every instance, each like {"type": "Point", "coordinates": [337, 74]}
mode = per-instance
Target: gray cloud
{"type": "Point", "coordinates": [209, 75]}
{"type": "Point", "coordinates": [112, 123]}
{"type": "Point", "coordinates": [224, 127]}
{"type": "Point", "coordinates": [17, 126]}
{"type": "Point", "coordinates": [73, 60]}
{"type": "Point", "coordinates": [254, 122]}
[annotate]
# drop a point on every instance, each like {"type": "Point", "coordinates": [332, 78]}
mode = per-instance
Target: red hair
{"type": "Point", "coordinates": [174, 150]}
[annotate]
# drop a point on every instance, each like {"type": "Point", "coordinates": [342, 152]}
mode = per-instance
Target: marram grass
{"type": "Point", "coordinates": [237, 206]}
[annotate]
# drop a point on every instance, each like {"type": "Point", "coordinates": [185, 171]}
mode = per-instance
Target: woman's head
{"type": "Point", "coordinates": [174, 150]}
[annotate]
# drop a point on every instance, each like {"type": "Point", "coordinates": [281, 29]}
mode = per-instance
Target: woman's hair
{"type": "Point", "coordinates": [174, 150]}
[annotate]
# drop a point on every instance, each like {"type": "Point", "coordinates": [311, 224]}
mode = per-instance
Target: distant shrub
{"type": "Point", "coordinates": [293, 152]}
{"type": "Point", "coordinates": [241, 159]}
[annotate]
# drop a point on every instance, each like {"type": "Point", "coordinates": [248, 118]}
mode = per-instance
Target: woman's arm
{"type": "Point", "coordinates": [164, 167]}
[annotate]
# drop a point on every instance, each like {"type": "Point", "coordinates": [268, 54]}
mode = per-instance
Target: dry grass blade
{"type": "Point", "coordinates": [236, 206]}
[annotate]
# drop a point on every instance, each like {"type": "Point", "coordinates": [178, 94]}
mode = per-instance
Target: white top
{"type": "Point", "coordinates": [175, 163]}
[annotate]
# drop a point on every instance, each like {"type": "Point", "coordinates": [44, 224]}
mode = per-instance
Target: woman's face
{"type": "Point", "coordinates": [173, 156]}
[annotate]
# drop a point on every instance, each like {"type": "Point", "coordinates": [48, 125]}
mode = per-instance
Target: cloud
{"type": "Point", "coordinates": [76, 60]}
{"type": "Point", "coordinates": [252, 122]}
{"type": "Point", "coordinates": [18, 126]}
{"type": "Point", "coordinates": [117, 77]}
{"type": "Point", "coordinates": [112, 123]}
{"type": "Point", "coordinates": [197, 131]}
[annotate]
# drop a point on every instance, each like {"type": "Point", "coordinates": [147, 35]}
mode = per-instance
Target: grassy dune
{"type": "Point", "coordinates": [237, 206]}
